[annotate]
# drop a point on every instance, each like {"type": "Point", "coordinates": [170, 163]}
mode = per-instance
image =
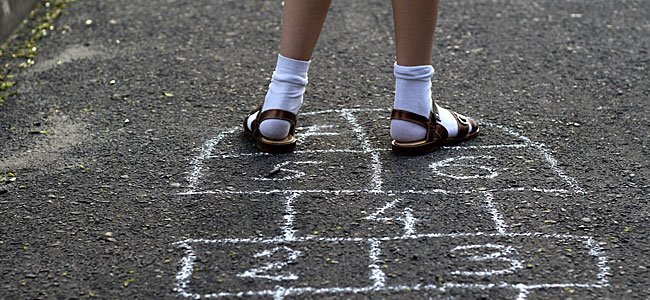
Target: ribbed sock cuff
{"type": "Point", "coordinates": [292, 66]}
{"type": "Point", "coordinates": [424, 72]}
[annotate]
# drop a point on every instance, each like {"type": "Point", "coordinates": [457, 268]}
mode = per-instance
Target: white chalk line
{"type": "Point", "coordinates": [547, 156]}
{"type": "Point", "coordinates": [206, 151]}
{"type": "Point", "coordinates": [406, 216]}
{"type": "Point", "coordinates": [526, 189]}
{"type": "Point", "coordinates": [186, 271]}
{"type": "Point", "coordinates": [361, 151]}
{"type": "Point", "coordinates": [315, 130]}
{"type": "Point", "coordinates": [280, 240]}
{"type": "Point", "coordinates": [474, 161]}
{"type": "Point", "coordinates": [523, 294]}
{"type": "Point", "coordinates": [288, 231]}
{"type": "Point", "coordinates": [497, 217]}
{"type": "Point", "coordinates": [281, 167]}
{"type": "Point", "coordinates": [501, 255]}
{"type": "Point", "coordinates": [262, 272]}
{"type": "Point", "coordinates": [377, 276]}
{"type": "Point", "coordinates": [366, 191]}
{"type": "Point", "coordinates": [375, 216]}
{"type": "Point", "coordinates": [603, 261]}
{"type": "Point", "coordinates": [343, 111]}
{"type": "Point", "coordinates": [281, 292]}
{"type": "Point", "coordinates": [409, 221]}
{"type": "Point", "coordinates": [376, 180]}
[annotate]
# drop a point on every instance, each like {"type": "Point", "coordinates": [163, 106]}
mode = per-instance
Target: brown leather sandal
{"type": "Point", "coordinates": [467, 129]}
{"type": "Point", "coordinates": [286, 145]}
{"type": "Point", "coordinates": [437, 135]}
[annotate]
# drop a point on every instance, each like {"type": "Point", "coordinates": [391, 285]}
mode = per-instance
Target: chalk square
{"type": "Point", "coordinates": [297, 171]}
{"type": "Point", "coordinates": [547, 212]}
{"type": "Point", "coordinates": [326, 132]}
{"type": "Point", "coordinates": [471, 169]}
{"type": "Point", "coordinates": [513, 259]}
{"type": "Point", "coordinates": [229, 268]}
{"type": "Point", "coordinates": [376, 215]}
{"type": "Point", "coordinates": [316, 132]}
{"type": "Point", "coordinates": [213, 215]}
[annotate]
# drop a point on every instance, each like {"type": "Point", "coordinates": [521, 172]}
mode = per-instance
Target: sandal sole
{"type": "Point", "coordinates": [416, 150]}
{"type": "Point", "coordinates": [270, 146]}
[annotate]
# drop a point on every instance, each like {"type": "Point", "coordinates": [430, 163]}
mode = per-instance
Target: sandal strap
{"type": "Point", "coordinates": [398, 114]}
{"type": "Point", "coordinates": [253, 126]}
{"type": "Point", "coordinates": [436, 133]}
{"type": "Point", "coordinates": [278, 114]}
{"type": "Point", "coordinates": [463, 124]}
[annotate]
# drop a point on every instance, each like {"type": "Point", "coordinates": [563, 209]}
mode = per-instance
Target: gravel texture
{"type": "Point", "coordinates": [130, 181]}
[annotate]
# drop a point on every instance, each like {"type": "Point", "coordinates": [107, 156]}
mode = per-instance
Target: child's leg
{"type": "Point", "coordinates": [415, 27]}
{"type": "Point", "coordinates": [415, 24]}
{"type": "Point", "coordinates": [301, 26]}
{"type": "Point", "coordinates": [302, 23]}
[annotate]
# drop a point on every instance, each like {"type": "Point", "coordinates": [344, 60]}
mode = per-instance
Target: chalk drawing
{"type": "Point", "coordinates": [279, 251]}
{"type": "Point", "coordinates": [266, 271]}
{"type": "Point", "coordinates": [603, 261]}
{"type": "Point", "coordinates": [469, 162]}
{"type": "Point", "coordinates": [289, 232]}
{"type": "Point", "coordinates": [361, 151]}
{"type": "Point", "coordinates": [294, 174]}
{"type": "Point", "coordinates": [376, 181]}
{"type": "Point", "coordinates": [316, 130]}
{"type": "Point", "coordinates": [405, 216]}
{"type": "Point", "coordinates": [547, 156]}
{"type": "Point", "coordinates": [500, 255]}
{"type": "Point", "coordinates": [377, 276]}
{"type": "Point", "coordinates": [499, 223]}
{"type": "Point", "coordinates": [182, 278]}
{"type": "Point", "coordinates": [523, 294]}
{"type": "Point", "coordinates": [197, 163]}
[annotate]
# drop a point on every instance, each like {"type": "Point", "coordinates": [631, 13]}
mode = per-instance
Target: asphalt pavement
{"type": "Point", "coordinates": [127, 175]}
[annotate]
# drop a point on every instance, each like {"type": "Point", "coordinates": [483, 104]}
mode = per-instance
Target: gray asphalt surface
{"type": "Point", "coordinates": [145, 187]}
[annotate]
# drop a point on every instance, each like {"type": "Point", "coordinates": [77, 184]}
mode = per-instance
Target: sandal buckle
{"type": "Point", "coordinates": [462, 119]}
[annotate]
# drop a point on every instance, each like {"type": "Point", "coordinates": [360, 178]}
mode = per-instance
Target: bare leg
{"type": "Point", "coordinates": [302, 23]}
{"type": "Point", "coordinates": [415, 26]}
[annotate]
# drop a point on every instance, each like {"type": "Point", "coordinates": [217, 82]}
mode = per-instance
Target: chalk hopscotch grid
{"type": "Point", "coordinates": [206, 152]}
{"type": "Point", "coordinates": [376, 274]}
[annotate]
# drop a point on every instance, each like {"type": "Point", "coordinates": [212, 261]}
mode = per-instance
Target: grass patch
{"type": "Point", "coordinates": [19, 53]}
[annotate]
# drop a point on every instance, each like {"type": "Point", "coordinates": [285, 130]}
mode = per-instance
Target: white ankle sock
{"type": "Point", "coordinates": [413, 94]}
{"type": "Point", "coordinates": [448, 121]}
{"type": "Point", "coordinates": [285, 92]}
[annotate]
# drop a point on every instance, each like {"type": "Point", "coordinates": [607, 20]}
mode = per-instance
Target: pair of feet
{"type": "Point", "coordinates": [418, 126]}
{"type": "Point", "coordinates": [442, 127]}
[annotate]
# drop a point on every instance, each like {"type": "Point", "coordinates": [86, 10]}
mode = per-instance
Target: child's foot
{"type": "Point", "coordinates": [285, 144]}
{"type": "Point", "coordinates": [442, 127]}
{"type": "Point", "coordinates": [272, 124]}
{"type": "Point", "coordinates": [418, 126]}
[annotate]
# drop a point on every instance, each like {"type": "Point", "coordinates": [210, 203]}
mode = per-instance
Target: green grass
{"type": "Point", "coordinates": [19, 53]}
